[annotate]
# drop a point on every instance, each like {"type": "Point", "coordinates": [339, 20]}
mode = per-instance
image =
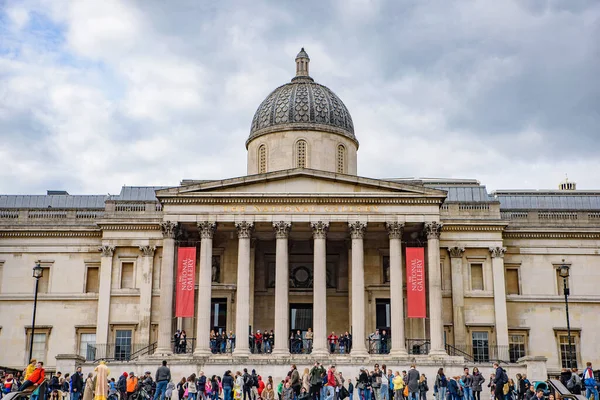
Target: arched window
{"type": "Point", "coordinates": [262, 159]}
{"type": "Point", "coordinates": [301, 154]}
{"type": "Point", "coordinates": [341, 159]}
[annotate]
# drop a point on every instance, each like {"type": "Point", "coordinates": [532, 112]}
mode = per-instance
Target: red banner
{"type": "Point", "coordinates": [186, 280]}
{"type": "Point", "coordinates": [415, 282]}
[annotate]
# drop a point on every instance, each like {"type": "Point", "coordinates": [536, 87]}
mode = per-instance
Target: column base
{"type": "Point", "coordinates": [438, 353]}
{"type": "Point", "coordinates": [319, 352]}
{"type": "Point", "coordinates": [162, 352]}
{"type": "Point", "coordinates": [241, 352]}
{"type": "Point", "coordinates": [399, 353]}
{"type": "Point", "coordinates": [359, 353]}
{"type": "Point", "coordinates": [280, 352]}
{"type": "Point", "coordinates": [202, 353]}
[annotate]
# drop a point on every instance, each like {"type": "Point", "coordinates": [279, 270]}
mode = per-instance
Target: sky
{"type": "Point", "coordinates": [99, 94]}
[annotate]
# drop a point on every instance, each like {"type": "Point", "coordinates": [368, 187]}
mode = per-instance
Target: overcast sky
{"type": "Point", "coordinates": [99, 94]}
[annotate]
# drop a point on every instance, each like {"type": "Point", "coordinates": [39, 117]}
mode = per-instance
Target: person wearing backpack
{"type": "Point", "coordinates": [315, 381]}
{"type": "Point", "coordinates": [574, 384]}
{"type": "Point", "coordinates": [591, 386]}
{"type": "Point", "coordinates": [247, 384]}
{"type": "Point", "coordinates": [500, 380]}
{"type": "Point", "coordinates": [441, 382]}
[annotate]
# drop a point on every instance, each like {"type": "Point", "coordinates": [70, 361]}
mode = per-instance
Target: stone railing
{"type": "Point", "coordinates": [549, 217]}
{"type": "Point", "coordinates": [50, 215]}
{"type": "Point", "coordinates": [474, 210]}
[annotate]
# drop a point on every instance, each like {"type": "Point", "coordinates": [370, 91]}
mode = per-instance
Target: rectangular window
{"type": "Point", "coordinates": [87, 344]}
{"type": "Point", "coordinates": [122, 344]}
{"type": "Point", "coordinates": [476, 276]}
{"type": "Point", "coordinates": [44, 281]}
{"type": "Point", "coordinates": [92, 281]}
{"type": "Point", "coordinates": [568, 353]}
{"type": "Point", "coordinates": [127, 281]}
{"type": "Point", "coordinates": [512, 280]}
{"type": "Point", "coordinates": [481, 346]}
{"type": "Point", "coordinates": [516, 346]}
{"type": "Point", "coordinates": [40, 343]}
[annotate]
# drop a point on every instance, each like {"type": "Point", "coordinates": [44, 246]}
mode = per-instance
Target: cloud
{"type": "Point", "coordinates": [94, 95]}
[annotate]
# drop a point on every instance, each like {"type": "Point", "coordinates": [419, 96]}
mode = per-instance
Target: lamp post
{"type": "Point", "coordinates": [38, 271]}
{"type": "Point", "coordinates": [563, 271]}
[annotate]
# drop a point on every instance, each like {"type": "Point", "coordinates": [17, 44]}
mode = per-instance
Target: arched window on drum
{"type": "Point", "coordinates": [341, 159]}
{"type": "Point", "coordinates": [301, 154]}
{"type": "Point", "coordinates": [262, 159]}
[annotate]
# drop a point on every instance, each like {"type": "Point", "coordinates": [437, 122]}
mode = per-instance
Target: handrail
{"type": "Point", "coordinates": [455, 351]}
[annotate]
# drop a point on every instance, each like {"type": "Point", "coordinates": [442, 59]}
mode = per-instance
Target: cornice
{"type": "Point", "coordinates": [299, 200]}
{"type": "Point", "coordinates": [66, 234]}
{"type": "Point", "coordinates": [550, 235]}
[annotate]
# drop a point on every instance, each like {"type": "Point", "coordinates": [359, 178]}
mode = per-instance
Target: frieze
{"type": "Point", "coordinates": [298, 200]}
{"type": "Point", "coordinates": [300, 209]}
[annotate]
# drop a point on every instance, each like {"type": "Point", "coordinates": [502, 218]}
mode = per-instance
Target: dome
{"type": "Point", "coordinates": [302, 104]}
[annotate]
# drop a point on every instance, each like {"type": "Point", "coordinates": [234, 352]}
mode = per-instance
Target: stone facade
{"type": "Point", "coordinates": [287, 240]}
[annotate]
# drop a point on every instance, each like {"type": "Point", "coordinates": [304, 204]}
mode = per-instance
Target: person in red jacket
{"type": "Point", "coordinates": [37, 377]}
{"type": "Point", "coordinates": [261, 386]}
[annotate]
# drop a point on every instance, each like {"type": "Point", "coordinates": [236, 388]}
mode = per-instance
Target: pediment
{"type": "Point", "coordinates": [301, 182]}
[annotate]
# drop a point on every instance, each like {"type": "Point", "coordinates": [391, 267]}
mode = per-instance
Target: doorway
{"type": "Point", "coordinates": [218, 315]}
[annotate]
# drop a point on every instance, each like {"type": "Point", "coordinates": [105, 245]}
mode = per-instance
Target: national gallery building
{"type": "Point", "coordinates": [448, 270]}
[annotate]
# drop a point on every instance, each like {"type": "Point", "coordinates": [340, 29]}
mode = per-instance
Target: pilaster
{"type": "Point", "coordinates": [145, 308]}
{"type": "Point", "coordinates": [103, 314]}
{"type": "Point", "coordinates": [458, 295]}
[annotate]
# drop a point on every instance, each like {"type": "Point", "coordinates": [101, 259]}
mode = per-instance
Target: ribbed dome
{"type": "Point", "coordinates": [302, 105]}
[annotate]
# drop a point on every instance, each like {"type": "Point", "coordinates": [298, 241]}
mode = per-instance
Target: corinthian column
{"type": "Point", "coordinates": [242, 313]}
{"type": "Point", "coordinates": [458, 295]}
{"type": "Point", "coordinates": [166, 289]}
{"type": "Point", "coordinates": [436, 325]}
{"type": "Point", "coordinates": [104, 294]}
{"type": "Point", "coordinates": [357, 233]}
{"type": "Point", "coordinates": [320, 229]}
{"type": "Point", "coordinates": [146, 294]}
{"type": "Point", "coordinates": [206, 230]}
{"type": "Point", "coordinates": [395, 230]}
{"type": "Point", "coordinates": [500, 301]}
{"type": "Point", "coordinates": [282, 230]}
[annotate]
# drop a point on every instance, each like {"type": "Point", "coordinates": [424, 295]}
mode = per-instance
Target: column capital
{"type": "Point", "coordinates": [168, 229]}
{"type": "Point", "coordinates": [497, 252]}
{"type": "Point", "coordinates": [107, 251]}
{"type": "Point", "coordinates": [320, 229]}
{"type": "Point", "coordinates": [433, 229]}
{"type": "Point", "coordinates": [456, 251]}
{"type": "Point", "coordinates": [395, 229]}
{"type": "Point", "coordinates": [244, 229]}
{"type": "Point", "coordinates": [357, 229]}
{"type": "Point", "coordinates": [207, 229]}
{"type": "Point", "coordinates": [282, 229]}
{"type": "Point", "coordinates": [148, 251]}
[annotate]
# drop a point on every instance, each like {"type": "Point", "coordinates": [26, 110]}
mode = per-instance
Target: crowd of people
{"type": "Point", "coordinates": [315, 383]}
{"type": "Point", "coordinates": [262, 342]}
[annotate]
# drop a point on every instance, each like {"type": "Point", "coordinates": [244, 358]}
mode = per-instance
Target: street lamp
{"type": "Point", "coordinates": [563, 271]}
{"type": "Point", "coordinates": [38, 271]}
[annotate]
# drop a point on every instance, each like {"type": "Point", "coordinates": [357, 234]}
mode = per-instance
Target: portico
{"type": "Point", "coordinates": [305, 246]}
